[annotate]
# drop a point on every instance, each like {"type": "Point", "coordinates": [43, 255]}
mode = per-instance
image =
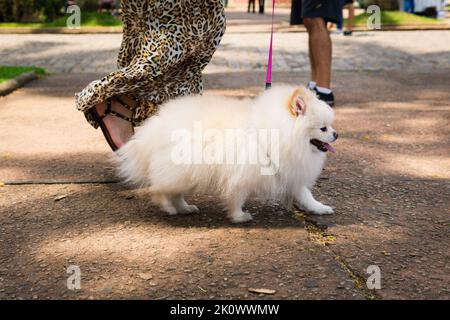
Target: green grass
{"type": "Point", "coordinates": [10, 72]}
{"type": "Point", "coordinates": [396, 18]}
{"type": "Point", "coordinates": [88, 19]}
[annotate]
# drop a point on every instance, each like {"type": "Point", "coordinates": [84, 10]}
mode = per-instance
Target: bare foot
{"type": "Point", "coordinates": [119, 129]}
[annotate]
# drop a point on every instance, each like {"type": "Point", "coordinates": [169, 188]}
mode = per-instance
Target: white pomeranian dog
{"type": "Point", "coordinates": [272, 147]}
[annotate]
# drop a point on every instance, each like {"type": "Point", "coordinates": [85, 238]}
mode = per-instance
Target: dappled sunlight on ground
{"type": "Point", "coordinates": [418, 166]}
{"type": "Point", "coordinates": [112, 243]}
{"type": "Point", "coordinates": [388, 184]}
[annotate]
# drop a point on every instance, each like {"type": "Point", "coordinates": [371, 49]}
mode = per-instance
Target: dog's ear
{"type": "Point", "coordinates": [297, 105]}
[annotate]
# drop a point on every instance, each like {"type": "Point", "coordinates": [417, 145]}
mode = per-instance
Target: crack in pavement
{"type": "Point", "coordinates": [317, 234]}
{"type": "Point", "coordinates": [61, 182]}
{"type": "Point", "coordinates": [115, 181]}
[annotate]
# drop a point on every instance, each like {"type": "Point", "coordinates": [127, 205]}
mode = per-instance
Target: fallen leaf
{"type": "Point", "coordinates": [202, 289]}
{"type": "Point", "coordinates": [261, 291]}
{"type": "Point", "coordinates": [145, 276]}
{"type": "Point", "coordinates": [59, 198]}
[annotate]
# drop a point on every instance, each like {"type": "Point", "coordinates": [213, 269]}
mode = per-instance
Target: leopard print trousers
{"type": "Point", "coordinates": [166, 45]}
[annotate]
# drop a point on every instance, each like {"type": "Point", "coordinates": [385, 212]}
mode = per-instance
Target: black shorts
{"type": "Point", "coordinates": [329, 10]}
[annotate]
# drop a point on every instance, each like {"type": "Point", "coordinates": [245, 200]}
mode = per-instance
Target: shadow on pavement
{"type": "Point", "coordinates": [388, 182]}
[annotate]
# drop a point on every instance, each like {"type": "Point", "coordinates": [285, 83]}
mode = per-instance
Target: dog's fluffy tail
{"type": "Point", "coordinates": [133, 166]}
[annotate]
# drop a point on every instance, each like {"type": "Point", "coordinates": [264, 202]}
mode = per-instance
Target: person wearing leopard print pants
{"type": "Point", "coordinates": [165, 47]}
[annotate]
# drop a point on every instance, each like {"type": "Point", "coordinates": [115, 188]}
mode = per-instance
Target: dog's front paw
{"type": "Point", "coordinates": [322, 209]}
{"type": "Point", "coordinates": [240, 217]}
{"type": "Point", "coordinates": [170, 210]}
{"type": "Point", "coordinates": [189, 209]}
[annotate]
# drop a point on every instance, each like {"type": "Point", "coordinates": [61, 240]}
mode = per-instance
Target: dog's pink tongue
{"type": "Point", "coordinates": [329, 147]}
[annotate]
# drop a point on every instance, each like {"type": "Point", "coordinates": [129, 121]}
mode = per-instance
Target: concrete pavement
{"type": "Point", "coordinates": [389, 183]}
{"type": "Point", "coordinates": [96, 53]}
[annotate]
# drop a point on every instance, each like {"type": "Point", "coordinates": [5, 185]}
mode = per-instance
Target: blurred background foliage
{"type": "Point", "coordinates": [383, 4]}
{"type": "Point", "coordinates": [30, 10]}
{"type": "Point", "coordinates": [40, 10]}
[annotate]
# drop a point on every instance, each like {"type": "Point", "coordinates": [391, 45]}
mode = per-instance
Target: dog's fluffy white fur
{"type": "Point", "coordinates": [295, 115]}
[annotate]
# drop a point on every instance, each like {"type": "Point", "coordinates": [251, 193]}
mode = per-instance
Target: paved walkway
{"type": "Point", "coordinates": [399, 50]}
{"type": "Point", "coordinates": [389, 183]}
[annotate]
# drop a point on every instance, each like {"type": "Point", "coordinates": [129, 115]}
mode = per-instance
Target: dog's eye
{"type": "Point", "coordinates": [323, 129]}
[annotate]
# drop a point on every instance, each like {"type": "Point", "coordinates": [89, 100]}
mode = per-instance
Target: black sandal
{"type": "Point", "coordinates": [99, 119]}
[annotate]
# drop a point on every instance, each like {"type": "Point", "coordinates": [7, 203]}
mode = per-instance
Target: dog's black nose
{"type": "Point", "coordinates": [335, 135]}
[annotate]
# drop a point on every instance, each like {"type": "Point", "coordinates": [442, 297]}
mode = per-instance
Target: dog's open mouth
{"type": "Point", "coordinates": [322, 146]}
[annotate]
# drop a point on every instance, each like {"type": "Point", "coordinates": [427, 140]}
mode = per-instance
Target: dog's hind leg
{"type": "Point", "coordinates": [182, 206]}
{"type": "Point", "coordinates": [306, 199]}
{"type": "Point", "coordinates": [235, 212]}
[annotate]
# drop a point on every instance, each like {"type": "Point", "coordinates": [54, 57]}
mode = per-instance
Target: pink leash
{"type": "Point", "coordinates": [269, 62]}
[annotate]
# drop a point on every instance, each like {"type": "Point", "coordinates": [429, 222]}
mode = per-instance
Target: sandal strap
{"type": "Point", "coordinates": [109, 110]}
{"type": "Point", "coordinates": [124, 104]}
{"type": "Point", "coordinates": [116, 114]}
